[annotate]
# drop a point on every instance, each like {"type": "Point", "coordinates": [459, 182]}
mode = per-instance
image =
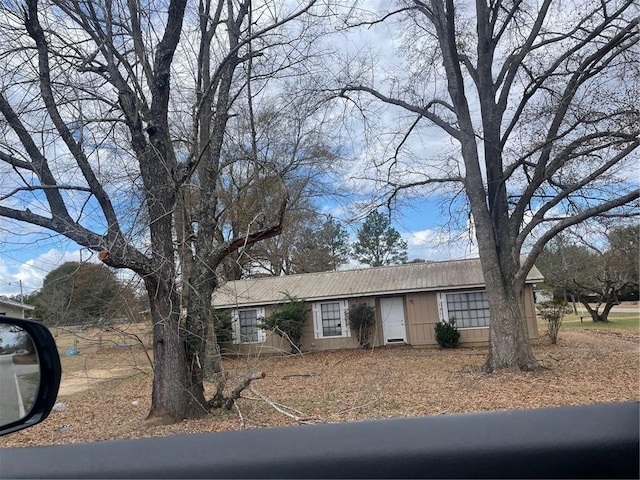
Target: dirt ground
{"type": "Point", "coordinates": [587, 366]}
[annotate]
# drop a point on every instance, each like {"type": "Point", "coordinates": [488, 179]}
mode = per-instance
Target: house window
{"type": "Point", "coordinates": [329, 319]}
{"type": "Point", "coordinates": [245, 325]}
{"type": "Point", "coordinates": [469, 309]}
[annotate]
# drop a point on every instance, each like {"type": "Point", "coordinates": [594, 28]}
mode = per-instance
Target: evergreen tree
{"type": "Point", "coordinates": [379, 243]}
{"type": "Point", "coordinates": [321, 249]}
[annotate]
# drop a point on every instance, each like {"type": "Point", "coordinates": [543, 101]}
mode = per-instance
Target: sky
{"type": "Point", "coordinates": [27, 255]}
{"type": "Point", "coordinates": [27, 259]}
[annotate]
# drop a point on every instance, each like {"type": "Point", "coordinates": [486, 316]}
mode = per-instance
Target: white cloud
{"type": "Point", "coordinates": [31, 272]}
{"type": "Point", "coordinates": [434, 244]}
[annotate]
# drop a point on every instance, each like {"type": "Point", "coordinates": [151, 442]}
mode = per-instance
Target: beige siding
{"type": "Point", "coordinates": [422, 315]}
{"type": "Point", "coordinates": [474, 335]}
{"type": "Point", "coordinates": [272, 344]}
{"type": "Point", "coordinates": [377, 338]}
{"type": "Point", "coordinates": [310, 343]}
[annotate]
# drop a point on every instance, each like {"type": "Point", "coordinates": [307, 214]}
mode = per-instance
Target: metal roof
{"type": "Point", "coordinates": [413, 277]}
{"type": "Point", "coordinates": [12, 303]}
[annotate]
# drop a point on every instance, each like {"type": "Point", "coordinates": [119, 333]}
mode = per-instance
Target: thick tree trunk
{"type": "Point", "coordinates": [509, 345]}
{"type": "Point", "coordinates": [597, 316]}
{"type": "Point", "coordinates": [174, 395]}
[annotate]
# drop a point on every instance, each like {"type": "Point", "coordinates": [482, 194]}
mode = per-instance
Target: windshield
{"type": "Point", "coordinates": [235, 215]}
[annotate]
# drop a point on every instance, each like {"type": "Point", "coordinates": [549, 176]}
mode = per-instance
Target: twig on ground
{"type": "Point", "coordinates": [240, 417]}
{"type": "Point", "coordinates": [338, 362]}
{"type": "Point", "coordinates": [357, 407]}
{"type": "Point", "coordinates": [287, 411]}
{"type": "Point", "coordinates": [310, 374]}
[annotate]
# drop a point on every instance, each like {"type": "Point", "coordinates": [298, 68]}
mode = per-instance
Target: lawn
{"type": "Point", "coordinates": [629, 321]}
{"type": "Point", "coordinates": [586, 366]}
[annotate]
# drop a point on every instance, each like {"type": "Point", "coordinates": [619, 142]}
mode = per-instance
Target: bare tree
{"type": "Point", "coordinates": [286, 143]}
{"type": "Point", "coordinates": [540, 100]}
{"type": "Point", "coordinates": [593, 273]}
{"type": "Point", "coordinates": [114, 121]}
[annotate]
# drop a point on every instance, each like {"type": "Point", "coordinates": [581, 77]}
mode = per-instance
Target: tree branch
{"type": "Point", "coordinates": [424, 112]}
{"type": "Point", "coordinates": [569, 222]}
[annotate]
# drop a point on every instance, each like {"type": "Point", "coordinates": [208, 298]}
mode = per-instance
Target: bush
{"type": "Point", "coordinates": [447, 334]}
{"type": "Point", "coordinates": [553, 312]}
{"type": "Point", "coordinates": [288, 322]}
{"type": "Point", "coordinates": [223, 326]}
{"type": "Point", "coordinates": [362, 318]}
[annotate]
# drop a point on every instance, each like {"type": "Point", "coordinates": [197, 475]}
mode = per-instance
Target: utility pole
{"type": "Point", "coordinates": [21, 294]}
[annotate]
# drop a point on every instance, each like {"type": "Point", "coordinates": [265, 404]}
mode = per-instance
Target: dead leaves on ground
{"type": "Point", "coordinates": [587, 366]}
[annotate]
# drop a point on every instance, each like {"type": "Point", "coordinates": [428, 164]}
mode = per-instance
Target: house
{"type": "Point", "coordinates": [408, 300]}
{"type": "Point", "coordinates": [9, 308]}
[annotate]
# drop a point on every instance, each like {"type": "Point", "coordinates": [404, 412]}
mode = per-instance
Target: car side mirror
{"type": "Point", "coordinates": [30, 373]}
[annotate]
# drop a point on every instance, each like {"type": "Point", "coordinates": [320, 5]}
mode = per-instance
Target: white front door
{"type": "Point", "coordinates": [392, 310]}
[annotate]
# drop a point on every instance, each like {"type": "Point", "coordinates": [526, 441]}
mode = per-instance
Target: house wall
{"type": "Point", "coordinates": [421, 315]}
{"type": "Point", "coordinates": [310, 343]}
{"type": "Point", "coordinates": [272, 344]}
{"type": "Point", "coordinates": [11, 311]}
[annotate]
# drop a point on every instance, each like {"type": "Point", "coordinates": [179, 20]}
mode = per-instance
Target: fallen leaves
{"type": "Point", "coordinates": [587, 366]}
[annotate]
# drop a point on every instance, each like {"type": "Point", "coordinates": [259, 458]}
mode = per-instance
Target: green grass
{"type": "Point", "coordinates": [629, 321]}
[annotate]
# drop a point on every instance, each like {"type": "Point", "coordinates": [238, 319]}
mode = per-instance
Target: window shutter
{"type": "Point", "coordinates": [235, 323]}
{"type": "Point", "coordinates": [262, 334]}
{"type": "Point", "coordinates": [442, 307]}
{"type": "Point", "coordinates": [317, 320]}
{"type": "Point", "coordinates": [344, 309]}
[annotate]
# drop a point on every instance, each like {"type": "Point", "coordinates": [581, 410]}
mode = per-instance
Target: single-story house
{"type": "Point", "coordinates": [408, 301]}
{"type": "Point", "coordinates": [9, 308]}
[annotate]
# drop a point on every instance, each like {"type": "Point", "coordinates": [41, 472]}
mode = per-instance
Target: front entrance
{"type": "Point", "coordinates": [392, 311]}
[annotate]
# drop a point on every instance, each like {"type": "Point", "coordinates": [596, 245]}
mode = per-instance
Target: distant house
{"type": "Point", "coordinates": [9, 308]}
{"type": "Point", "coordinates": [408, 300]}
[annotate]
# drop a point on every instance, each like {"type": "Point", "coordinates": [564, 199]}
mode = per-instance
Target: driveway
{"type": "Point", "coordinates": [18, 387]}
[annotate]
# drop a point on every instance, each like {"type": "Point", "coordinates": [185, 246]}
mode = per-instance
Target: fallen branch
{"type": "Point", "coordinates": [287, 411]}
{"type": "Point", "coordinates": [310, 374]}
{"type": "Point", "coordinates": [246, 381]}
{"type": "Point", "coordinates": [358, 407]}
{"type": "Point", "coordinates": [242, 425]}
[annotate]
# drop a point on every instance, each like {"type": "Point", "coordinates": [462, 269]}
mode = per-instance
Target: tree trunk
{"type": "Point", "coordinates": [597, 316]}
{"type": "Point", "coordinates": [509, 345]}
{"type": "Point", "coordinates": [174, 395]}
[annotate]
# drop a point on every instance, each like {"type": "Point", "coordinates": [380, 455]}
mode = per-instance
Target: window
{"type": "Point", "coordinates": [469, 309]}
{"type": "Point", "coordinates": [329, 319]}
{"type": "Point", "coordinates": [245, 325]}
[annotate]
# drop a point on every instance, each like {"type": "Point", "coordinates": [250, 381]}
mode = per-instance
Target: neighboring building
{"type": "Point", "coordinates": [9, 308]}
{"type": "Point", "coordinates": [408, 299]}
{"type": "Point", "coordinates": [541, 294]}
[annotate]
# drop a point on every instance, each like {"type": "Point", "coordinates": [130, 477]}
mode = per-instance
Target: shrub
{"type": "Point", "coordinates": [223, 326]}
{"type": "Point", "coordinates": [362, 318]}
{"type": "Point", "coordinates": [553, 312]}
{"type": "Point", "coordinates": [288, 321]}
{"type": "Point", "coordinates": [447, 334]}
